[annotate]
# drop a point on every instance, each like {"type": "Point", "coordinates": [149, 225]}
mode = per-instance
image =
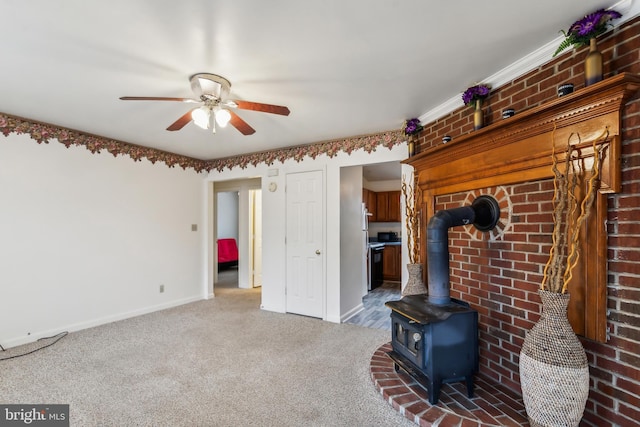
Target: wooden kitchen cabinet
{"type": "Point", "coordinates": [391, 263]}
{"type": "Point", "coordinates": [372, 202]}
{"type": "Point", "coordinates": [382, 202]}
{"type": "Point", "coordinates": [369, 199]}
{"type": "Point", "coordinates": [393, 207]}
{"type": "Point", "coordinates": [388, 206]}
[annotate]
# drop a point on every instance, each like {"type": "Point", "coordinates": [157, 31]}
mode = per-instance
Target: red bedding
{"type": "Point", "coordinates": [227, 250]}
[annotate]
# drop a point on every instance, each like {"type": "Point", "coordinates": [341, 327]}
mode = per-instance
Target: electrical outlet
{"type": "Point", "coordinates": [161, 288]}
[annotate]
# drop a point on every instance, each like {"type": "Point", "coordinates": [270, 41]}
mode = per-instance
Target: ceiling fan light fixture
{"type": "Point", "coordinates": [222, 117]}
{"type": "Point", "coordinates": [201, 116]}
{"type": "Point", "coordinates": [211, 91]}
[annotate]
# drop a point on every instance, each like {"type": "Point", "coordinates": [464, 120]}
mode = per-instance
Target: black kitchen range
{"type": "Point", "coordinates": [376, 247]}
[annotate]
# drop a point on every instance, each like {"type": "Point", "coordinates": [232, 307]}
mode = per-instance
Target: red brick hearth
{"type": "Point", "coordinates": [491, 404]}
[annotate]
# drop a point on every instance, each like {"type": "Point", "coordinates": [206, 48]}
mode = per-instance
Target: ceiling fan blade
{"type": "Point", "coordinates": [240, 124]}
{"type": "Point", "coordinates": [182, 121]}
{"type": "Point", "coordinates": [156, 98]}
{"type": "Point", "coordinates": [265, 108]}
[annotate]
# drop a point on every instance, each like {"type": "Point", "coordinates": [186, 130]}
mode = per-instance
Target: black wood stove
{"type": "Point", "coordinates": [434, 337]}
{"type": "Point", "coordinates": [435, 344]}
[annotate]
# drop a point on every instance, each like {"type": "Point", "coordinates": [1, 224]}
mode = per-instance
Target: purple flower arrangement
{"type": "Point", "coordinates": [474, 93]}
{"type": "Point", "coordinates": [583, 30]}
{"type": "Point", "coordinates": [412, 126]}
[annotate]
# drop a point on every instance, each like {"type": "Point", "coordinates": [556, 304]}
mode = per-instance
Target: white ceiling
{"type": "Point", "coordinates": [343, 67]}
{"type": "Point", "coordinates": [382, 172]}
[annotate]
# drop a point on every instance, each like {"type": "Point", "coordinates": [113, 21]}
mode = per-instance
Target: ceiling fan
{"type": "Point", "coordinates": [212, 91]}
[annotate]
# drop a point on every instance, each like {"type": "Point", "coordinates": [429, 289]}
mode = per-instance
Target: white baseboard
{"type": "Point", "coordinates": [74, 327]}
{"type": "Point", "coordinates": [348, 315]}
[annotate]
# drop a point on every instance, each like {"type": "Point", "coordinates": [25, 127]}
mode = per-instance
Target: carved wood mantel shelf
{"type": "Point", "coordinates": [519, 149]}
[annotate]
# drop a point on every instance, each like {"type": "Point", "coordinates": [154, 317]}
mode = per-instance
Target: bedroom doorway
{"type": "Point", "coordinates": [227, 225]}
{"type": "Point", "coordinates": [237, 233]}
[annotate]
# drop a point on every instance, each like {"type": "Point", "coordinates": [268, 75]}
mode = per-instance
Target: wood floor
{"type": "Point", "coordinates": [375, 314]}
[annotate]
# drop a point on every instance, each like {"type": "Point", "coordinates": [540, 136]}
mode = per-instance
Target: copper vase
{"type": "Point", "coordinates": [593, 64]}
{"type": "Point", "coordinates": [411, 145]}
{"type": "Point", "coordinates": [478, 118]}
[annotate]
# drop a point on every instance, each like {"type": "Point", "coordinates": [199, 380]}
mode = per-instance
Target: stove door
{"type": "Point", "coordinates": [408, 339]}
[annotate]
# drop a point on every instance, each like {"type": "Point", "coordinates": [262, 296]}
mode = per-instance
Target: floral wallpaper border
{"type": "Point", "coordinates": [44, 132]}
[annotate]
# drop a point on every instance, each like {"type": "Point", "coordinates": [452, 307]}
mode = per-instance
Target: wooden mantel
{"type": "Point", "coordinates": [519, 149]}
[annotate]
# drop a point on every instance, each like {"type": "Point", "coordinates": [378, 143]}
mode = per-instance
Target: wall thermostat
{"type": "Point", "coordinates": [273, 186]}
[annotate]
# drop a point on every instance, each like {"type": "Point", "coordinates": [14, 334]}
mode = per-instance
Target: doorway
{"type": "Point", "coordinates": [238, 217]}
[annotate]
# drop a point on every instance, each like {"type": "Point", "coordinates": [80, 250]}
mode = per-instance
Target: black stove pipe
{"type": "Point", "coordinates": [483, 213]}
{"type": "Point", "coordinates": [438, 250]}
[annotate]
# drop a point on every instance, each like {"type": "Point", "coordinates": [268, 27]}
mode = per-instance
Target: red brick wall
{"type": "Point", "coordinates": [500, 278]}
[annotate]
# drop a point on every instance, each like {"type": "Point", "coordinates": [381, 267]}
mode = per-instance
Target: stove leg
{"type": "Point", "coordinates": [469, 381]}
{"type": "Point", "coordinates": [434, 392]}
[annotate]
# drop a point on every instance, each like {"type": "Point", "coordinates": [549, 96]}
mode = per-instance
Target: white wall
{"type": "Point", "coordinates": [227, 203]}
{"type": "Point", "coordinates": [87, 239]}
{"type": "Point", "coordinates": [273, 204]}
{"type": "Point", "coordinates": [352, 241]}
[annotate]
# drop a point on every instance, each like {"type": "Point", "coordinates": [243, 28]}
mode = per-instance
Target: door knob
{"type": "Point", "coordinates": [317, 251]}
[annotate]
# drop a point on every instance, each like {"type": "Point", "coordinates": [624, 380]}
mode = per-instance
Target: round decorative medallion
{"type": "Point", "coordinates": [506, 209]}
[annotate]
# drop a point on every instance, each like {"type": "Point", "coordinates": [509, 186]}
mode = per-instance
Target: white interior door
{"type": "Point", "coordinates": [305, 244]}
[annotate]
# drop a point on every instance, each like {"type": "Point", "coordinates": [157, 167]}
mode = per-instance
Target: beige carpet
{"type": "Point", "coordinates": [221, 362]}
